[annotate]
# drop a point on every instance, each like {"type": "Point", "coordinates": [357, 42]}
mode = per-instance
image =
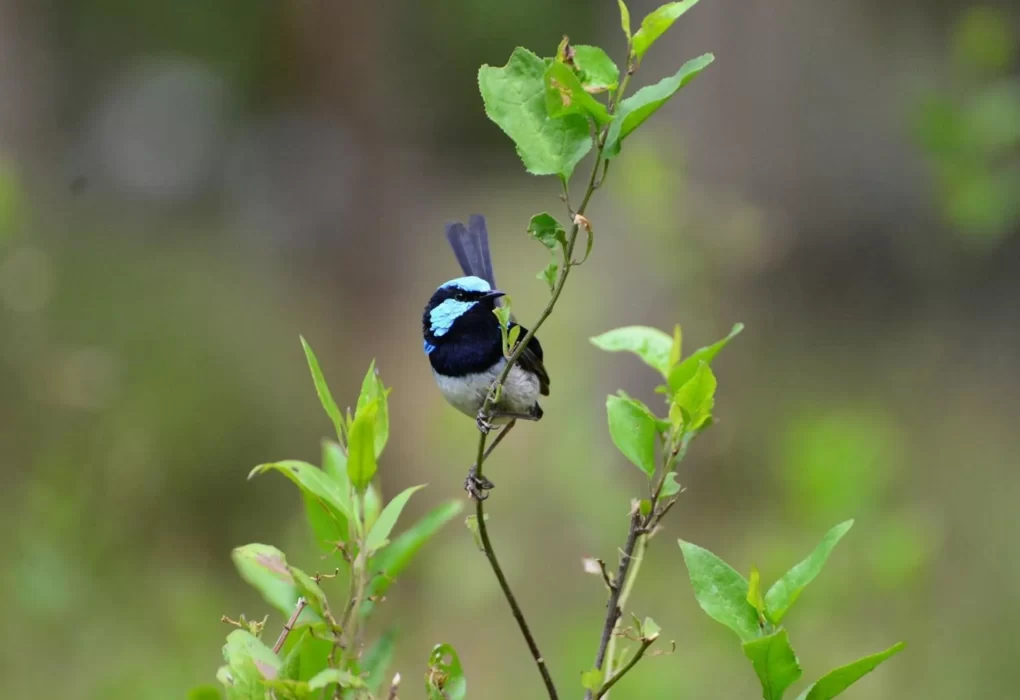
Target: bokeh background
{"type": "Point", "coordinates": [186, 186]}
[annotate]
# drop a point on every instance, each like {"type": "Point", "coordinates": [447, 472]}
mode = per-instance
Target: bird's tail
{"type": "Point", "coordinates": [471, 246]}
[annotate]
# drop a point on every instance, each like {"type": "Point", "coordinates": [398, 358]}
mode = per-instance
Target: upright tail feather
{"type": "Point", "coordinates": [471, 246]}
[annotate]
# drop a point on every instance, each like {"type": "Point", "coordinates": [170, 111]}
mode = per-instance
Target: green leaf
{"type": "Point", "coordinates": [636, 109]}
{"type": "Point", "coordinates": [371, 505]}
{"type": "Point", "coordinates": [264, 567]}
{"type": "Point", "coordinates": [250, 662]}
{"type": "Point", "coordinates": [649, 629]}
{"type": "Point", "coordinates": [345, 679]}
{"type": "Point", "coordinates": [721, 591]}
{"type": "Point", "coordinates": [655, 25]}
{"type": "Point", "coordinates": [325, 398]}
{"type": "Point", "coordinates": [786, 590]}
{"type": "Point", "coordinates": [754, 596]}
{"type": "Point", "coordinates": [512, 335]}
{"type": "Point", "coordinates": [634, 432]}
{"type": "Point", "coordinates": [597, 72]}
{"type": "Point", "coordinates": [682, 373]}
{"type": "Point", "coordinates": [514, 98]}
{"type": "Point", "coordinates": [547, 230]}
{"type": "Point", "coordinates": [373, 390]}
{"type": "Point", "coordinates": [774, 662]}
{"type": "Point", "coordinates": [670, 487]}
{"type": "Point", "coordinates": [696, 398]}
{"type": "Point", "coordinates": [308, 589]}
{"type": "Point", "coordinates": [836, 681]}
{"type": "Point", "coordinates": [650, 344]}
{"type": "Point", "coordinates": [592, 679]}
{"type": "Point", "coordinates": [675, 348]}
{"type": "Point", "coordinates": [361, 464]}
{"type": "Point", "coordinates": [205, 692]}
{"type": "Point", "coordinates": [327, 503]}
{"type": "Point", "coordinates": [391, 561]}
{"type": "Point", "coordinates": [565, 95]}
{"type": "Point", "coordinates": [550, 273]}
{"type": "Point", "coordinates": [291, 667]}
{"type": "Point", "coordinates": [625, 20]}
{"type": "Point", "coordinates": [445, 678]}
{"type": "Point", "coordinates": [377, 536]}
{"type": "Point", "coordinates": [378, 658]}
{"type": "Point", "coordinates": [334, 464]}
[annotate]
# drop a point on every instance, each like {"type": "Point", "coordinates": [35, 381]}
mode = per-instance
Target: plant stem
{"type": "Point", "coordinates": [568, 256]}
{"type": "Point", "coordinates": [289, 625]}
{"type": "Point", "coordinates": [604, 690]}
{"type": "Point", "coordinates": [636, 557]}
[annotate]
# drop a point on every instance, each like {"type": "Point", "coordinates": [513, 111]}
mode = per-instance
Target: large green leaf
{"type": "Point", "coordinates": [264, 567]}
{"type": "Point", "coordinates": [683, 372]}
{"type": "Point", "coordinates": [696, 398]}
{"type": "Point", "coordinates": [327, 503]}
{"type": "Point", "coordinates": [836, 681]}
{"type": "Point", "coordinates": [391, 561]}
{"type": "Point", "coordinates": [514, 97]}
{"type": "Point", "coordinates": [361, 461]}
{"type": "Point", "coordinates": [655, 25]}
{"type": "Point", "coordinates": [786, 590]}
{"type": "Point", "coordinates": [330, 526]}
{"type": "Point", "coordinates": [634, 432]}
{"type": "Point", "coordinates": [775, 663]}
{"type": "Point", "coordinates": [377, 536]}
{"type": "Point", "coordinates": [650, 344]}
{"type": "Point", "coordinates": [545, 229]}
{"type": "Point", "coordinates": [322, 389]}
{"type": "Point", "coordinates": [721, 591]}
{"type": "Point", "coordinates": [636, 109]}
{"type": "Point", "coordinates": [596, 70]}
{"type": "Point", "coordinates": [564, 95]}
{"type": "Point", "coordinates": [373, 390]}
{"type": "Point", "coordinates": [445, 678]}
{"type": "Point", "coordinates": [250, 663]}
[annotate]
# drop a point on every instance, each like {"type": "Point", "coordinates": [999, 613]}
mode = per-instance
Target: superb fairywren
{"type": "Point", "coordinates": [464, 343]}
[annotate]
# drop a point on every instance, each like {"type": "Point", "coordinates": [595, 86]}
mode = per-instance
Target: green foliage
{"type": "Point", "coordinates": [635, 110]}
{"type": "Point", "coordinates": [634, 432]}
{"type": "Point", "coordinates": [373, 391]}
{"type": "Point", "coordinates": [377, 536]}
{"type": "Point", "coordinates": [377, 660]}
{"type": "Point", "coordinates": [650, 344]}
{"type": "Point", "coordinates": [625, 20]}
{"type": "Point", "coordinates": [445, 678]}
{"type": "Point", "coordinates": [564, 94]}
{"type": "Point", "coordinates": [549, 273]}
{"type": "Point", "coordinates": [836, 681]}
{"type": "Point", "coordinates": [682, 373]}
{"type": "Point", "coordinates": [696, 398]}
{"type": "Point", "coordinates": [721, 591]}
{"type": "Point", "coordinates": [592, 679]}
{"type": "Point", "coordinates": [514, 98]}
{"type": "Point", "coordinates": [361, 460]}
{"type": "Point", "coordinates": [655, 24]}
{"type": "Point", "coordinates": [785, 591]}
{"type": "Point", "coordinates": [326, 398]}
{"type": "Point", "coordinates": [774, 662]}
{"type": "Point", "coordinates": [249, 664]}
{"type": "Point", "coordinates": [545, 229]}
{"type": "Point", "coordinates": [595, 69]}
{"type": "Point", "coordinates": [265, 568]}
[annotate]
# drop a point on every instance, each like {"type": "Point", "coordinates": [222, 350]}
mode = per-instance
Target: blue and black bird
{"type": "Point", "coordinates": [464, 343]}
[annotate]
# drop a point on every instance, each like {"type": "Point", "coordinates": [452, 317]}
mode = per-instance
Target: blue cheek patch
{"type": "Point", "coordinates": [443, 316]}
{"type": "Point", "coordinates": [429, 347]}
{"type": "Point", "coordinates": [469, 284]}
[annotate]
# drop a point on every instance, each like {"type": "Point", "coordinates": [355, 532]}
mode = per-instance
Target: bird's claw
{"type": "Point", "coordinates": [477, 486]}
{"type": "Point", "coordinates": [484, 423]}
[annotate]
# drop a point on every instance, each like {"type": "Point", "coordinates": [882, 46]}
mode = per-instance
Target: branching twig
{"type": "Point", "coordinates": [289, 625]}
{"type": "Point", "coordinates": [576, 218]}
{"type": "Point", "coordinates": [645, 643]}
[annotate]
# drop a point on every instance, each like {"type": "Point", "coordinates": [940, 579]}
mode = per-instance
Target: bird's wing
{"type": "Point", "coordinates": [471, 246]}
{"type": "Point", "coordinates": [531, 361]}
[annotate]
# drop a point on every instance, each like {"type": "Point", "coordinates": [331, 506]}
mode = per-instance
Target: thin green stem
{"type": "Point", "coordinates": [614, 679]}
{"type": "Point", "coordinates": [628, 586]}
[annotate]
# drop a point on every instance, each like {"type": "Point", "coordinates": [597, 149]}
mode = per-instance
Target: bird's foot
{"type": "Point", "coordinates": [477, 486]}
{"type": "Point", "coordinates": [484, 422]}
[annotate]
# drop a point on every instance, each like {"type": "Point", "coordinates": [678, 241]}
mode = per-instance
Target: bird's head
{"type": "Point", "coordinates": [458, 307]}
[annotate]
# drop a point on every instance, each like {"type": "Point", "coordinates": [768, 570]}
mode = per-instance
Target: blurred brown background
{"type": "Point", "coordinates": [186, 185]}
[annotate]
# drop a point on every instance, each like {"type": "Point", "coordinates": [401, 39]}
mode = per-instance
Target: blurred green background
{"type": "Point", "coordinates": [186, 185]}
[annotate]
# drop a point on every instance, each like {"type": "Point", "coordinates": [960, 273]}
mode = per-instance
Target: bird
{"type": "Point", "coordinates": [464, 343]}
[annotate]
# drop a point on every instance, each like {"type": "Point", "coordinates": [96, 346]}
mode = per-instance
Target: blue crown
{"type": "Point", "coordinates": [468, 284]}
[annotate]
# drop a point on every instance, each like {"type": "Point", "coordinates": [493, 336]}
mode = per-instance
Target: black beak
{"type": "Point", "coordinates": [494, 294]}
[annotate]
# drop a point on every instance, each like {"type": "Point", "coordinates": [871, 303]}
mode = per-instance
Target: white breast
{"type": "Point", "coordinates": [467, 393]}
